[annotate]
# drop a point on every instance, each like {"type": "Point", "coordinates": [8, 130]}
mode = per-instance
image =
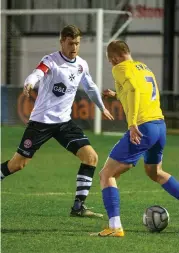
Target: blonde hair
{"type": "Point", "coordinates": [118, 47]}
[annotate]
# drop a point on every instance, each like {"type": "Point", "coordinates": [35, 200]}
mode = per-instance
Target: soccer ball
{"type": "Point", "coordinates": [155, 218]}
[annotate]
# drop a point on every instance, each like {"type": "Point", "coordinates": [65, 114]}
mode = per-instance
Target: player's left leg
{"type": "Point", "coordinates": [71, 136]}
{"type": "Point", "coordinates": [153, 165]}
{"type": "Point", "coordinates": [89, 159]}
{"type": "Point", "coordinates": [167, 181]}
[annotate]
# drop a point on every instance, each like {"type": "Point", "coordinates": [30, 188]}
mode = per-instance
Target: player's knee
{"type": "Point", "coordinates": [91, 159]}
{"type": "Point", "coordinates": [153, 172]}
{"type": "Point", "coordinates": [102, 176]}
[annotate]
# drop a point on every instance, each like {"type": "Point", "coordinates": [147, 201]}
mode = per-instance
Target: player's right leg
{"type": "Point", "coordinates": [123, 156]}
{"type": "Point", "coordinates": [34, 136]}
{"type": "Point", "coordinates": [111, 197]}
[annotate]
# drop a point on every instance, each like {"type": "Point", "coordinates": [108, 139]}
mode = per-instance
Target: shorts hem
{"type": "Point", "coordinates": [124, 161]}
{"type": "Point", "coordinates": [75, 146]}
{"type": "Point", "coordinates": [24, 153]}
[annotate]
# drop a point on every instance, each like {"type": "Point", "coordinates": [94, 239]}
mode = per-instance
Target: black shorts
{"type": "Point", "coordinates": [68, 134]}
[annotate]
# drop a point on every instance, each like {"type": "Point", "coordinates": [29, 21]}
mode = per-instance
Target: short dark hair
{"type": "Point", "coordinates": [118, 47]}
{"type": "Point", "coordinates": [70, 31]}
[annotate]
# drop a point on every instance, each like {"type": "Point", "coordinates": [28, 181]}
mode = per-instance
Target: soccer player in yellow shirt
{"type": "Point", "coordinates": [137, 90]}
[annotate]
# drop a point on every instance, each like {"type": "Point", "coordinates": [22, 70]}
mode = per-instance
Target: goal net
{"type": "Point", "coordinates": [31, 34]}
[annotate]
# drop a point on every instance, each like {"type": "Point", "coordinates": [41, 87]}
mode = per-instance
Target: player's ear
{"type": "Point", "coordinates": [114, 61]}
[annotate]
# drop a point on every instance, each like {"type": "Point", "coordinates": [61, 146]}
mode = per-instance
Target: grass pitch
{"type": "Point", "coordinates": [36, 203]}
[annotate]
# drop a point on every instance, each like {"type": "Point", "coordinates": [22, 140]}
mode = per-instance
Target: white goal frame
{"type": "Point", "coordinates": [99, 39]}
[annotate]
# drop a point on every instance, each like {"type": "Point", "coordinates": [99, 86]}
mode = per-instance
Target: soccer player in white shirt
{"type": "Point", "coordinates": [58, 76]}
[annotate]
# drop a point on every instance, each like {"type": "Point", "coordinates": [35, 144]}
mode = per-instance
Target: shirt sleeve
{"type": "Point", "coordinates": [38, 73]}
{"type": "Point", "coordinates": [91, 88]}
{"type": "Point", "coordinates": [47, 61]}
{"type": "Point", "coordinates": [34, 78]}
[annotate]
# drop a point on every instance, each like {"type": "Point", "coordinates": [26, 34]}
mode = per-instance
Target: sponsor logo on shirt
{"type": "Point", "coordinates": [59, 89]}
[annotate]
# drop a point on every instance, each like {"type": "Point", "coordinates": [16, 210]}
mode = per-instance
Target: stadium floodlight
{"type": "Point", "coordinates": [101, 27]}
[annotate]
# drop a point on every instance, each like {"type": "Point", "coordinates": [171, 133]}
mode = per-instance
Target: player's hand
{"type": "Point", "coordinates": [27, 89]}
{"type": "Point", "coordinates": [109, 93]}
{"type": "Point", "coordinates": [135, 135]}
{"type": "Point", "coordinates": [107, 114]}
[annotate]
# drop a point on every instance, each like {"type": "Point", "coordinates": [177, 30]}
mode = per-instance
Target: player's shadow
{"type": "Point", "coordinates": [26, 231]}
{"type": "Point", "coordinates": [39, 231]}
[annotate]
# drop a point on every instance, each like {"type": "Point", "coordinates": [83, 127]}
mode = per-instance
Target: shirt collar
{"type": "Point", "coordinates": [66, 59]}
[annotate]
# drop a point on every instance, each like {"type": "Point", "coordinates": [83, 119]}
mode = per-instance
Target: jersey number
{"type": "Point", "coordinates": [150, 79]}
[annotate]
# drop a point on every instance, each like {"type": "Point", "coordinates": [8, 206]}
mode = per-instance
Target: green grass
{"type": "Point", "coordinates": [36, 203]}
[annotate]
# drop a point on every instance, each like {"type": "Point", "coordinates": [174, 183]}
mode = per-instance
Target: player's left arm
{"type": "Point", "coordinates": [133, 100]}
{"type": "Point", "coordinates": [93, 93]}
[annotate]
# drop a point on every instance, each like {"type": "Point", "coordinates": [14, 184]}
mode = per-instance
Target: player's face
{"type": "Point", "coordinates": [70, 47]}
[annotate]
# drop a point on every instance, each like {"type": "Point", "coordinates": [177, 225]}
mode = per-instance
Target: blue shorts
{"type": "Point", "coordinates": [151, 145]}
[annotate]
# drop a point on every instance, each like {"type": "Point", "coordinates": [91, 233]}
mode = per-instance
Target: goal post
{"type": "Point", "coordinates": [100, 29]}
{"type": "Point", "coordinates": [99, 56]}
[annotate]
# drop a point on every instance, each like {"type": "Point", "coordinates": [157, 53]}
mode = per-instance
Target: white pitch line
{"type": "Point", "coordinates": [72, 193]}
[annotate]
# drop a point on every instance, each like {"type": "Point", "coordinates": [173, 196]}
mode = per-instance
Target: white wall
{"type": "Point", "coordinates": [146, 49]}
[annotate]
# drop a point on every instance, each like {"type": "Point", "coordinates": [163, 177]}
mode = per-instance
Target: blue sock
{"type": "Point", "coordinates": [172, 187]}
{"type": "Point", "coordinates": [111, 201]}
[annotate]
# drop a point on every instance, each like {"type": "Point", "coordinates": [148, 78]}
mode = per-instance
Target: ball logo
{"type": "Point", "coordinates": [59, 89]}
{"type": "Point", "coordinates": [27, 143]}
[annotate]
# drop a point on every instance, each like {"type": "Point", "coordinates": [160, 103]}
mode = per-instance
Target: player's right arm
{"type": "Point", "coordinates": [38, 73]}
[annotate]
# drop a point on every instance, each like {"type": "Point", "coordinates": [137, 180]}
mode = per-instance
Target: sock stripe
{"type": "Point", "coordinates": [81, 177]}
{"type": "Point", "coordinates": [81, 183]}
{"type": "Point", "coordinates": [81, 188]}
{"type": "Point", "coordinates": [82, 193]}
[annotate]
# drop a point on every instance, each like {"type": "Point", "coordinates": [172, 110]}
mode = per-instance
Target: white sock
{"type": "Point", "coordinates": [115, 222]}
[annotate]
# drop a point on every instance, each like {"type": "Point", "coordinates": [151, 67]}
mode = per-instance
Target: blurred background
{"type": "Point", "coordinates": [153, 36]}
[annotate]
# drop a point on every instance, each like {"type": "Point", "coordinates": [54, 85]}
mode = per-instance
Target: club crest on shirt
{"type": "Point", "coordinates": [27, 143]}
{"type": "Point", "coordinates": [80, 69]}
